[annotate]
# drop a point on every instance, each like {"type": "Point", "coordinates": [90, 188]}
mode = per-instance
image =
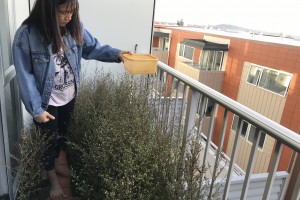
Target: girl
{"type": "Point", "coordinates": [47, 50]}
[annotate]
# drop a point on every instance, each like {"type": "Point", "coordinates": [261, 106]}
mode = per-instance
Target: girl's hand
{"type": "Point", "coordinates": [121, 54]}
{"type": "Point", "coordinates": [44, 117]}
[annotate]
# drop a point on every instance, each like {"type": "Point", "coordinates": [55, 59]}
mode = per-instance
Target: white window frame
{"type": "Point", "coordinates": [213, 66]}
{"type": "Point", "coordinates": [247, 132]}
{"type": "Point", "coordinates": [183, 52]}
{"type": "Point", "coordinates": [259, 78]}
{"type": "Point", "coordinates": [164, 43]}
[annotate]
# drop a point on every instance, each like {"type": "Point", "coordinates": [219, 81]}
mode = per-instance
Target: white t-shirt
{"type": "Point", "coordinates": [63, 90]}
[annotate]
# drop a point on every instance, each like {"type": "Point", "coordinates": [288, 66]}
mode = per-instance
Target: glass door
{"type": "Point", "coordinates": [10, 106]}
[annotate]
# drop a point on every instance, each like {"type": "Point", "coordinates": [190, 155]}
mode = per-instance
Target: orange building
{"type": "Point", "coordinates": [260, 72]}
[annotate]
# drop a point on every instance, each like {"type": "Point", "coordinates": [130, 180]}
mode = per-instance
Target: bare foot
{"type": "Point", "coordinates": [56, 192]}
{"type": "Point", "coordinates": [63, 170]}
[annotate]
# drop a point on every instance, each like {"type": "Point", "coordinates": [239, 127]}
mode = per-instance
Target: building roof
{"type": "Point", "coordinates": [205, 45]}
{"type": "Point", "coordinates": [241, 35]}
{"type": "Point", "coordinates": [161, 34]}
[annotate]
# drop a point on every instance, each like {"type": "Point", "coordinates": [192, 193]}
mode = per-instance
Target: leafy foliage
{"type": "Point", "coordinates": [121, 146]}
{"type": "Point", "coordinates": [31, 170]}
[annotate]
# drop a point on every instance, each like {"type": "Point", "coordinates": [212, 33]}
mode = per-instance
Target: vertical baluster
{"type": "Point", "coordinates": [169, 112]}
{"type": "Point", "coordinates": [296, 192]}
{"type": "Point", "coordinates": [251, 163]}
{"type": "Point", "coordinates": [219, 150]}
{"type": "Point", "coordinates": [161, 78]}
{"type": "Point", "coordinates": [165, 98]}
{"type": "Point", "coordinates": [190, 113]}
{"type": "Point", "coordinates": [208, 141]}
{"type": "Point", "coordinates": [273, 169]}
{"type": "Point", "coordinates": [182, 108]}
{"type": "Point", "coordinates": [176, 104]}
{"type": "Point", "coordinates": [157, 85]}
{"type": "Point", "coordinates": [232, 159]}
{"type": "Point", "coordinates": [201, 112]}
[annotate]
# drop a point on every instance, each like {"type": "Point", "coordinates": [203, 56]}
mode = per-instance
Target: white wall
{"type": "Point", "coordinates": [22, 10]}
{"type": "Point", "coordinates": [119, 23]}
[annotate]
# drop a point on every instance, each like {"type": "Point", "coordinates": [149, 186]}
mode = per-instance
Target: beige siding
{"type": "Point", "coordinates": [213, 79]}
{"type": "Point", "coordinates": [186, 69]}
{"type": "Point", "coordinates": [262, 158]}
{"type": "Point", "coordinates": [266, 103]}
{"type": "Point", "coordinates": [162, 56]}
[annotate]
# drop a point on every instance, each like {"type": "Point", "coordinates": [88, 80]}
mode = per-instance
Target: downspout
{"type": "Point", "coordinates": [29, 7]}
{"type": "Point", "coordinates": [151, 38]}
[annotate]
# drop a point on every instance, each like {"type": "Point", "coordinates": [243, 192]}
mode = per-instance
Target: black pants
{"type": "Point", "coordinates": [56, 131]}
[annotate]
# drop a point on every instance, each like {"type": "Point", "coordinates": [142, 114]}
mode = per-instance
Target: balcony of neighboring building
{"type": "Point", "coordinates": [202, 60]}
{"type": "Point", "coordinates": [188, 102]}
{"type": "Point", "coordinates": [161, 44]}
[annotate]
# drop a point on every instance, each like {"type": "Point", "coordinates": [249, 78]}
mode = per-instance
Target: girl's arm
{"type": "Point", "coordinates": [29, 93]}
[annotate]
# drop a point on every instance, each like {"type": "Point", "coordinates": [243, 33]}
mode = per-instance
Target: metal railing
{"type": "Point", "coordinates": [195, 102]}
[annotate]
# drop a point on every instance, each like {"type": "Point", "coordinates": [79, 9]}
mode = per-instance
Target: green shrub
{"type": "Point", "coordinates": [30, 170]}
{"type": "Point", "coordinates": [121, 149]}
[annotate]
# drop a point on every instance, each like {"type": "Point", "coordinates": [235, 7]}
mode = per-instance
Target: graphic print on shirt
{"type": "Point", "coordinates": [64, 77]}
{"type": "Point", "coordinates": [63, 90]}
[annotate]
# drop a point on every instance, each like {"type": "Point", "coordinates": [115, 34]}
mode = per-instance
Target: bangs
{"type": "Point", "coordinates": [72, 5]}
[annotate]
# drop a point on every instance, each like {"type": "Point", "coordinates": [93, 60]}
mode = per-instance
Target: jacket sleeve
{"type": "Point", "coordinates": [93, 50]}
{"type": "Point", "coordinates": [29, 93]}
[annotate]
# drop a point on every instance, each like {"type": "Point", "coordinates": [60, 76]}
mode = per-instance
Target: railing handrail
{"type": "Point", "coordinates": [272, 128]}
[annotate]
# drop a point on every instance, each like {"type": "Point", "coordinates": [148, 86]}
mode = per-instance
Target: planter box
{"type": "Point", "coordinates": [140, 63]}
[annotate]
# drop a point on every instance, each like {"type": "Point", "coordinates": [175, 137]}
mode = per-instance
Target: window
{"type": "Point", "coordinates": [244, 128]}
{"type": "Point", "coordinates": [164, 43]}
{"type": "Point", "coordinates": [181, 50]}
{"type": "Point", "coordinates": [269, 79]}
{"type": "Point", "coordinates": [211, 60]}
{"type": "Point", "coordinates": [254, 74]}
{"type": "Point", "coordinates": [275, 81]}
{"type": "Point", "coordinates": [248, 131]}
{"type": "Point", "coordinates": [262, 139]}
{"type": "Point", "coordinates": [218, 59]}
{"type": "Point", "coordinates": [251, 133]}
{"type": "Point", "coordinates": [186, 52]}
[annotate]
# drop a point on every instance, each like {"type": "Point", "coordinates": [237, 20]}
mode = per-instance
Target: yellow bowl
{"type": "Point", "coordinates": [140, 63]}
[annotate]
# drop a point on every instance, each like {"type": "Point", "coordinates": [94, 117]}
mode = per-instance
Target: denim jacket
{"type": "Point", "coordinates": [35, 68]}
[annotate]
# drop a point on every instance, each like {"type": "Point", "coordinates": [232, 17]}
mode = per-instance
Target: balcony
{"type": "Point", "coordinates": [188, 102]}
{"type": "Point", "coordinates": [161, 54]}
{"type": "Point", "coordinates": [190, 95]}
{"type": "Point", "coordinates": [161, 44]}
{"type": "Point", "coordinates": [211, 78]}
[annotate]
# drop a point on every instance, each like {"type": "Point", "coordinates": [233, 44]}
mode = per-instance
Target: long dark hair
{"type": "Point", "coordinates": [44, 16]}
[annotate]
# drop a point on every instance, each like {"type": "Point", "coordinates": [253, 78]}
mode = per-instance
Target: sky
{"type": "Point", "coordinates": [282, 16]}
